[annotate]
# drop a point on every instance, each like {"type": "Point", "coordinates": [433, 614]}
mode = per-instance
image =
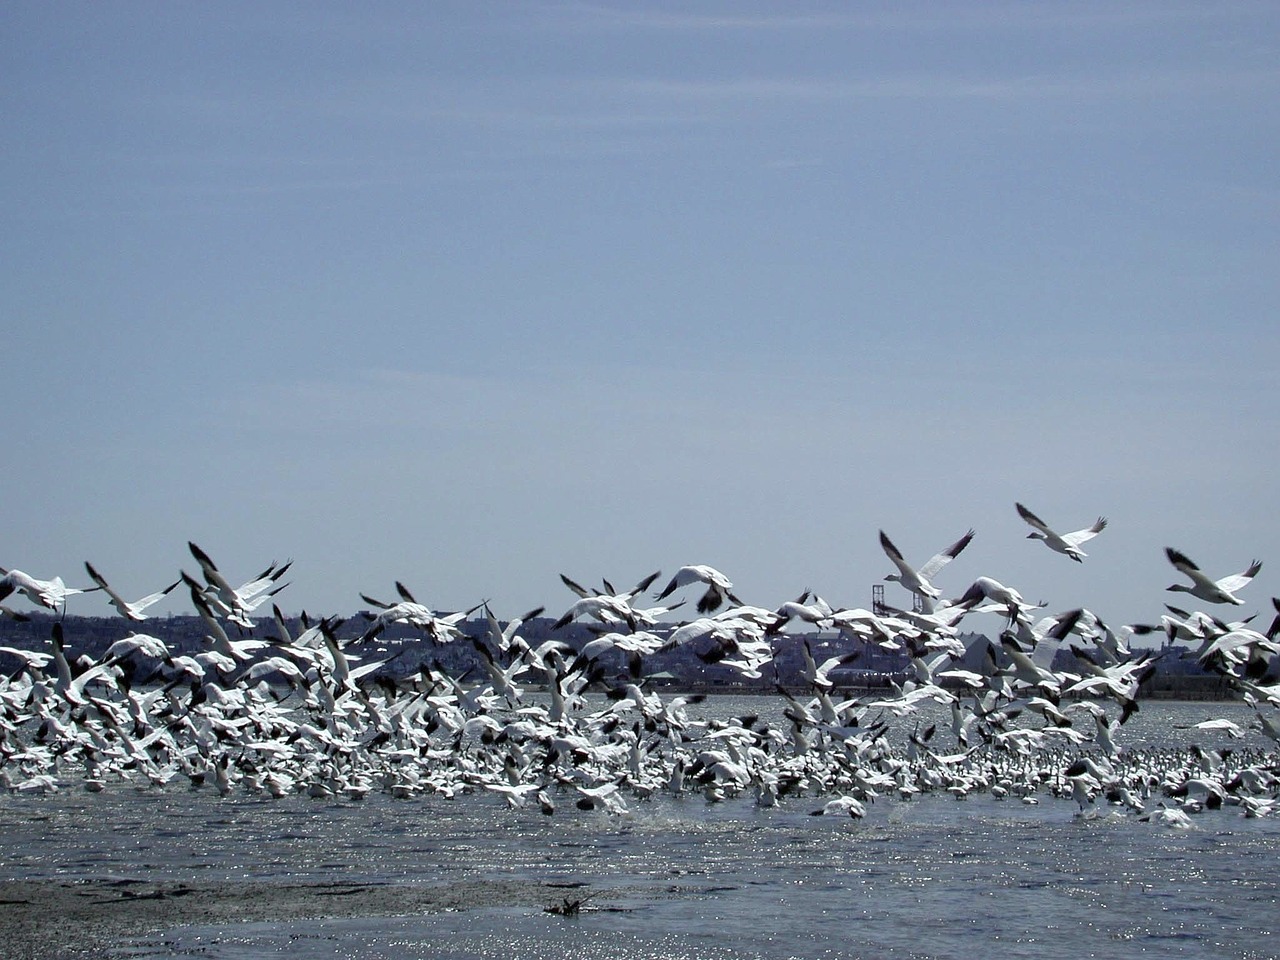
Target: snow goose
{"type": "Point", "coordinates": [1064, 543]}
{"type": "Point", "coordinates": [46, 593]}
{"type": "Point", "coordinates": [129, 610]}
{"type": "Point", "coordinates": [842, 806]}
{"type": "Point", "coordinates": [1211, 591]}
{"type": "Point", "coordinates": [1166, 816]}
{"type": "Point", "coordinates": [918, 580]}
{"type": "Point", "coordinates": [609, 590]}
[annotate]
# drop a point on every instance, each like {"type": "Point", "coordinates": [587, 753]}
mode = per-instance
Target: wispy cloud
{"type": "Point", "coordinates": [1009, 16]}
{"type": "Point", "coordinates": [958, 86]}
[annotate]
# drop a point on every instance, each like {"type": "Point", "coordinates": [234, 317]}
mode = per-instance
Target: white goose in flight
{"type": "Point", "coordinates": [46, 593]}
{"type": "Point", "coordinates": [129, 610]}
{"type": "Point", "coordinates": [1064, 543]}
{"type": "Point", "coordinates": [1210, 591]}
{"type": "Point", "coordinates": [917, 580]}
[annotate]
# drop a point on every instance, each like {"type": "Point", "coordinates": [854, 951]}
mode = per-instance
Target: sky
{"type": "Point", "coordinates": [469, 296]}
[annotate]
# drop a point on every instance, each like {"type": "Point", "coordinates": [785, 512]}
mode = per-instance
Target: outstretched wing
{"type": "Point", "coordinates": [1080, 536]}
{"type": "Point", "coordinates": [1035, 521]}
{"type": "Point", "coordinates": [940, 560]}
{"type": "Point", "coordinates": [1233, 583]}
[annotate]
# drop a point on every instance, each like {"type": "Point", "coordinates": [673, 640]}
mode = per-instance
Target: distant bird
{"type": "Point", "coordinates": [1211, 591]}
{"type": "Point", "coordinates": [719, 587]}
{"type": "Point", "coordinates": [610, 608]}
{"type": "Point", "coordinates": [129, 610]}
{"type": "Point", "coordinates": [609, 590]}
{"type": "Point", "coordinates": [818, 674]}
{"type": "Point", "coordinates": [917, 580]}
{"type": "Point", "coordinates": [440, 627]}
{"type": "Point", "coordinates": [1065, 543]}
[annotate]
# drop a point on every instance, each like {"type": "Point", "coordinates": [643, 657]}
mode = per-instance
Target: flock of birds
{"type": "Point", "coordinates": [262, 711]}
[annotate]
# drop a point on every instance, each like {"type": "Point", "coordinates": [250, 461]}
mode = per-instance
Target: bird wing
{"type": "Point", "coordinates": [940, 560]}
{"type": "Point", "coordinates": [1184, 564]}
{"type": "Point", "coordinates": [153, 598]}
{"type": "Point", "coordinates": [1233, 583]}
{"type": "Point", "coordinates": [896, 556]}
{"type": "Point", "coordinates": [576, 587]}
{"type": "Point", "coordinates": [1080, 536]}
{"type": "Point", "coordinates": [210, 570]}
{"type": "Point", "coordinates": [106, 587]}
{"type": "Point", "coordinates": [1035, 521]}
{"type": "Point", "coordinates": [252, 588]}
{"type": "Point", "coordinates": [672, 586]}
{"type": "Point", "coordinates": [643, 585]}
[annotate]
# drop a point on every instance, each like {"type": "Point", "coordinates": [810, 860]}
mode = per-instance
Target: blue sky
{"type": "Point", "coordinates": [471, 295]}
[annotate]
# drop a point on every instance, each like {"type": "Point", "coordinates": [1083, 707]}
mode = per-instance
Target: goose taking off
{"type": "Point", "coordinates": [1065, 543]}
{"type": "Point", "coordinates": [237, 603]}
{"type": "Point", "coordinates": [1210, 591]}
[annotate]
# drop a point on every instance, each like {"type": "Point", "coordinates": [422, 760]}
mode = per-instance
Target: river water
{"type": "Point", "coordinates": [680, 877]}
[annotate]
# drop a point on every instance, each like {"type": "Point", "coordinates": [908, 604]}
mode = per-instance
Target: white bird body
{"type": "Point", "coordinates": [140, 643]}
{"type": "Point", "coordinates": [817, 613]}
{"type": "Point", "coordinates": [606, 609]}
{"type": "Point", "coordinates": [863, 624]}
{"type": "Point", "coordinates": [818, 673]}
